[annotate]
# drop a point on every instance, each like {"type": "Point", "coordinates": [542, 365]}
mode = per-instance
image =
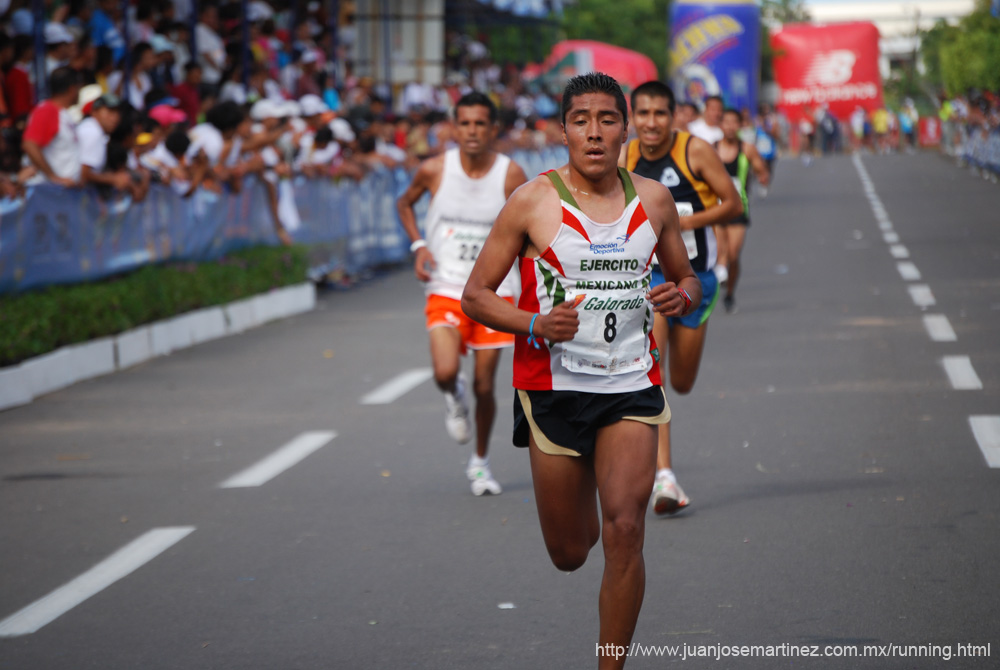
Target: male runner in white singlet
{"type": "Point", "coordinates": [588, 387]}
{"type": "Point", "coordinates": [468, 186]}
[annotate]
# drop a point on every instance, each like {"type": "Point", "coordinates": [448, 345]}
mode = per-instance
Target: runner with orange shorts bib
{"type": "Point", "coordinates": [469, 186]}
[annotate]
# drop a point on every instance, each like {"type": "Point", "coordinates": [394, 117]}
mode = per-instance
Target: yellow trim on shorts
{"type": "Point", "coordinates": [663, 417]}
{"type": "Point", "coordinates": [544, 444]}
{"type": "Point", "coordinates": [547, 446]}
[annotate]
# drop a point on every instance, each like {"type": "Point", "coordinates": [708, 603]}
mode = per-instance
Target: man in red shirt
{"type": "Point", "coordinates": [50, 140]}
{"type": "Point", "coordinates": [17, 88]}
{"type": "Point", "coordinates": [188, 92]}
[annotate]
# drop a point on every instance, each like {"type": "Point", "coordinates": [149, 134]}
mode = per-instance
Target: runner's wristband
{"type": "Point", "coordinates": [687, 300]}
{"type": "Point", "coordinates": [418, 244]}
{"type": "Point", "coordinates": [532, 340]}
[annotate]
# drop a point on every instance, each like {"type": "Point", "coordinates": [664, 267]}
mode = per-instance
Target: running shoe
{"type": "Point", "coordinates": [729, 302]}
{"type": "Point", "coordinates": [668, 497]}
{"type": "Point", "coordinates": [456, 415]}
{"type": "Point", "coordinates": [482, 480]}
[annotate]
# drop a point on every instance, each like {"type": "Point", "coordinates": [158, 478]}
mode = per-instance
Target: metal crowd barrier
{"type": "Point", "coordinates": [58, 236]}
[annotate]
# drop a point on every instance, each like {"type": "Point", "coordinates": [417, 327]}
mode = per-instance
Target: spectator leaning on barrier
{"type": "Point", "coordinates": [50, 140]}
{"type": "Point", "coordinates": [104, 115]}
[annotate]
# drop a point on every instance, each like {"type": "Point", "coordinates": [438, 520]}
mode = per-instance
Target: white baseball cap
{"type": "Point", "coordinates": [312, 104]}
{"type": "Point", "coordinates": [57, 33]}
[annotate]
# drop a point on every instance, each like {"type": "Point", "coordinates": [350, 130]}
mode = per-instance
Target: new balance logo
{"type": "Point", "coordinates": [832, 68]}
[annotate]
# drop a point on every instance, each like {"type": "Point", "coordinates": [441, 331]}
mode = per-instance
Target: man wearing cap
{"type": "Point", "coordinates": [103, 117]}
{"type": "Point", "coordinates": [50, 140]}
{"type": "Point", "coordinates": [60, 46]}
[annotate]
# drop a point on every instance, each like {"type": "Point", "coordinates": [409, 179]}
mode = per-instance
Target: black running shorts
{"type": "Point", "coordinates": [566, 422]}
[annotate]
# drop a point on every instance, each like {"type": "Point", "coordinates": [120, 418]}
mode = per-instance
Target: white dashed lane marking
{"type": "Point", "coordinates": [283, 459]}
{"type": "Point", "coordinates": [397, 387]}
{"type": "Point", "coordinates": [899, 251]}
{"type": "Point", "coordinates": [961, 374]}
{"type": "Point", "coordinates": [921, 295]}
{"type": "Point", "coordinates": [908, 271]}
{"type": "Point", "coordinates": [120, 564]}
{"type": "Point", "coordinates": [939, 328]}
{"type": "Point", "coordinates": [986, 430]}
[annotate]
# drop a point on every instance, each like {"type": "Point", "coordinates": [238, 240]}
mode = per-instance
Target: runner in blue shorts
{"type": "Point", "coordinates": [705, 197]}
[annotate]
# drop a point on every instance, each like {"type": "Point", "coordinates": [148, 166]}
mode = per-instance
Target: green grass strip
{"type": "Point", "coordinates": [41, 321]}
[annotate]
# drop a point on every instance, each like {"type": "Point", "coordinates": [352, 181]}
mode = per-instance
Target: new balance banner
{"type": "Point", "coordinates": [834, 65]}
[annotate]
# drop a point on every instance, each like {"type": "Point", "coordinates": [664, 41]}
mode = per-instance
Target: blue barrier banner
{"type": "Point", "coordinates": [715, 50]}
{"type": "Point", "coordinates": [58, 236]}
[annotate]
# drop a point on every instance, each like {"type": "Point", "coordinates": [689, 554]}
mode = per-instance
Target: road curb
{"type": "Point", "coordinates": [22, 383]}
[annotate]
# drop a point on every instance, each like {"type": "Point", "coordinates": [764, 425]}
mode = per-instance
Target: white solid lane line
{"type": "Point", "coordinates": [921, 295]}
{"type": "Point", "coordinates": [284, 458]}
{"type": "Point", "coordinates": [397, 387]}
{"type": "Point", "coordinates": [899, 251]}
{"type": "Point", "coordinates": [986, 429]}
{"type": "Point", "coordinates": [939, 328]}
{"type": "Point", "coordinates": [120, 564]}
{"type": "Point", "coordinates": [960, 372]}
{"type": "Point", "coordinates": [908, 271]}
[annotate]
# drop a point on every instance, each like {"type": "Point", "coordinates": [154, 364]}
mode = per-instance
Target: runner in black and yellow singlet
{"type": "Point", "coordinates": [705, 197]}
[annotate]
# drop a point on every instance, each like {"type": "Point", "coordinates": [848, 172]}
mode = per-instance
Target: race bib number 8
{"type": "Point", "coordinates": [611, 339]}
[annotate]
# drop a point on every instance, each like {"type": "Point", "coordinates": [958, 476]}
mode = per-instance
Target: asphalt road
{"type": "Point", "coordinates": [840, 497]}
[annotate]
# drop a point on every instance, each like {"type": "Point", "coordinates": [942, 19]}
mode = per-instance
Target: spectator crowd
{"type": "Point", "coordinates": [122, 100]}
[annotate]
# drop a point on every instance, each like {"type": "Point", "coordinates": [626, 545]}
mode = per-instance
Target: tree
{"type": "Point", "coordinates": [784, 11]}
{"type": "Point", "coordinates": [639, 25]}
{"type": "Point", "coordinates": [966, 56]}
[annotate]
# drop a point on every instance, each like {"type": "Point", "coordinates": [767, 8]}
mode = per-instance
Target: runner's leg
{"type": "Point", "coordinates": [446, 344]}
{"type": "Point", "coordinates": [624, 464]}
{"type": "Point", "coordinates": [486, 361]}
{"type": "Point", "coordinates": [565, 494]}
{"type": "Point", "coordinates": [736, 234]}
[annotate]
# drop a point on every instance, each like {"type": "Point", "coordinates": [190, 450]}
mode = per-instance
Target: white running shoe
{"type": "Point", "coordinates": [456, 415]}
{"type": "Point", "coordinates": [482, 480]}
{"type": "Point", "coordinates": [668, 496]}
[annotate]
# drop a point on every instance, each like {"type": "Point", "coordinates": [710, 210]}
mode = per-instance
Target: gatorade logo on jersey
{"type": "Point", "coordinates": [670, 178]}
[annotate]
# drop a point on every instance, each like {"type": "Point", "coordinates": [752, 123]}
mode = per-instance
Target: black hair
{"type": "Point", "coordinates": [105, 57]}
{"type": "Point", "coordinates": [324, 134]}
{"type": "Point", "coordinates": [476, 99]}
{"type": "Point", "coordinates": [191, 65]}
{"type": "Point", "coordinates": [117, 156]}
{"type": "Point", "coordinates": [177, 142]}
{"type": "Point", "coordinates": [732, 110]}
{"type": "Point", "coordinates": [225, 115]}
{"type": "Point", "coordinates": [63, 79]}
{"type": "Point", "coordinates": [593, 82]}
{"type": "Point", "coordinates": [655, 89]}
{"type": "Point", "coordinates": [714, 97]}
{"type": "Point", "coordinates": [23, 43]}
{"type": "Point", "coordinates": [139, 49]}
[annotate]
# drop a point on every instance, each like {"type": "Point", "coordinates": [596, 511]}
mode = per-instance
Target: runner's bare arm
{"type": "Point", "coordinates": [707, 164]}
{"type": "Point", "coordinates": [509, 237]}
{"type": "Point", "coordinates": [659, 206]}
{"type": "Point", "coordinates": [757, 163]}
{"type": "Point", "coordinates": [427, 176]}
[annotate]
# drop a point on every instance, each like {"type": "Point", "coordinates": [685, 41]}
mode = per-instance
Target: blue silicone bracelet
{"type": "Point", "coordinates": [532, 340]}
